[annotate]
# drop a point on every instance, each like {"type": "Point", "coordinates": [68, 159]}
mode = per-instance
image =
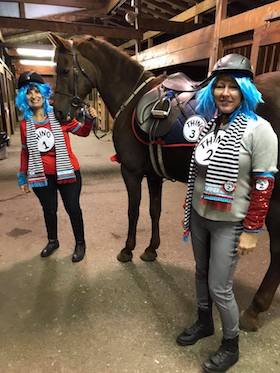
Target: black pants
{"type": "Point", "coordinates": [70, 194]}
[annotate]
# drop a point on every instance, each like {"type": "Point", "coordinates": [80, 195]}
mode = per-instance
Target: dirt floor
{"type": "Point", "coordinates": [99, 315]}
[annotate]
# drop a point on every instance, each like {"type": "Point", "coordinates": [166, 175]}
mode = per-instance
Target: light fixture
{"type": "Point", "coordinates": [35, 52]}
{"type": "Point", "coordinates": [37, 62]}
{"type": "Point", "coordinates": [130, 17]}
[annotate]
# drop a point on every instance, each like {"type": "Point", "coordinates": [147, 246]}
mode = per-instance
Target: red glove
{"type": "Point", "coordinates": [259, 203]}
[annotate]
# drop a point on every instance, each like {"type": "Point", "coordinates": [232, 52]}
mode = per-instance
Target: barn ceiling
{"type": "Point", "coordinates": [27, 22]}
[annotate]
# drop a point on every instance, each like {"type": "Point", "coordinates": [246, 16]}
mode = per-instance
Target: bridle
{"type": "Point", "coordinates": [76, 101]}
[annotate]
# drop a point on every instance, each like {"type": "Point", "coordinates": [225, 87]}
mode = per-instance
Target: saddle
{"type": "Point", "coordinates": [158, 109]}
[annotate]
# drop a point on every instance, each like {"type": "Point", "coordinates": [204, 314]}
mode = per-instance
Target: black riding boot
{"type": "Point", "coordinates": [52, 245]}
{"type": "Point", "coordinates": [79, 252]}
{"type": "Point", "coordinates": [202, 328]}
{"type": "Point", "coordinates": [226, 356]}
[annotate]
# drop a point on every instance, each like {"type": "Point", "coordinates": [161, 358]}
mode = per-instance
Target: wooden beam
{"type": "Point", "coordinates": [32, 46]}
{"type": "Point", "coordinates": [182, 17]}
{"type": "Point", "coordinates": [98, 4]}
{"type": "Point", "coordinates": [111, 4]}
{"type": "Point", "coordinates": [70, 28]}
{"type": "Point", "coordinates": [187, 48]}
{"type": "Point", "coordinates": [21, 10]}
{"type": "Point", "coordinates": [249, 20]}
{"type": "Point", "coordinates": [170, 27]}
{"type": "Point", "coordinates": [221, 13]}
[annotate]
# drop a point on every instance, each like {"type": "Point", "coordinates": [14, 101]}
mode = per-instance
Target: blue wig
{"type": "Point", "coordinates": [22, 102]}
{"type": "Point", "coordinates": [251, 97]}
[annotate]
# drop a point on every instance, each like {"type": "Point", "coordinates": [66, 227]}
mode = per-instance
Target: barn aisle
{"type": "Point", "coordinates": [100, 315]}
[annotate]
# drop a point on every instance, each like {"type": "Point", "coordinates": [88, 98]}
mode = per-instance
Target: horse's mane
{"type": "Point", "coordinates": [82, 42]}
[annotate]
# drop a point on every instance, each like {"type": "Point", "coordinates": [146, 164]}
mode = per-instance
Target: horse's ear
{"type": "Point", "coordinates": [59, 42]}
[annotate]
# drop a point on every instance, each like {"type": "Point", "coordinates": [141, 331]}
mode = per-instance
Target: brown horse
{"type": "Point", "coordinates": [85, 63]}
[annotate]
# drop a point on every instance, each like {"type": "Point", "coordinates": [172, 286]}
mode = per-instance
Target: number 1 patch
{"type": "Point", "coordinates": [193, 127]}
{"type": "Point", "coordinates": [45, 139]}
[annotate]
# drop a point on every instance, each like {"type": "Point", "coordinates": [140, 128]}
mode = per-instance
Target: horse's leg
{"type": "Point", "coordinates": [155, 192]}
{"type": "Point", "coordinates": [264, 296]}
{"type": "Point", "coordinates": [133, 186]}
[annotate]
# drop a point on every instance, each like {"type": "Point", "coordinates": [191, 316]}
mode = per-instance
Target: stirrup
{"type": "Point", "coordinates": [161, 108]}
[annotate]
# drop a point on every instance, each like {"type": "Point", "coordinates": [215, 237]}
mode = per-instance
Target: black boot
{"type": "Point", "coordinates": [50, 248]}
{"type": "Point", "coordinates": [79, 252]}
{"type": "Point", "coordinates": [202, 328]}
{"type": "Point", "coordinates": [226, 356]}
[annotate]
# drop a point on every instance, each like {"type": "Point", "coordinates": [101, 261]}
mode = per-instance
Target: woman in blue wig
{"type": "Point", "coordinates": [48, 163]}
{"type": "Point", "coordinates": [230, 183]}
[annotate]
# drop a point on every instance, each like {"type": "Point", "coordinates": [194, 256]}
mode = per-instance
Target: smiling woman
{"type": "Point", "coordinates": [230, 184]}
{"type": "Point", "coordinates": [48, 163]}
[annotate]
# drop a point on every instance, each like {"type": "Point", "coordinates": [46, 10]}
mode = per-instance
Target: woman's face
{"type": "Point", "coordinates": [227, 94]}
{"type": "Point", "coordinates": [34, 98]}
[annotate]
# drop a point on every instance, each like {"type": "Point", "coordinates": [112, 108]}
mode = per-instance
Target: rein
{"type": "Point", "coordinates": [134, 93]}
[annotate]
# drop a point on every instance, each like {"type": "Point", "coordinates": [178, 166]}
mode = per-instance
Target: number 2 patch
{"type": "Point", "coordinates": [207, 147]}
{"type": "Point", "coordinates": [45, 139]}
{"type": "Point", "coordinates": [193, 127]}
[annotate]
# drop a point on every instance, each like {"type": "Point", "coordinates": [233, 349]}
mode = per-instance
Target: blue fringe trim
{"type": "Point", "coordinates": [186, 235]}
{"type": "Point", "coordinates": [218, 199]}
{"type": "Point", "coordinates": [38, 184]}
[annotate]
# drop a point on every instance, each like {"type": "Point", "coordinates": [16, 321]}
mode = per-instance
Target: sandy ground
{"type": "Point", "coordinates": [100, 315]}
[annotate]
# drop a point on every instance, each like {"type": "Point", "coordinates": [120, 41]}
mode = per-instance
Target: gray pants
{"type": "Point", "coordinates": [215, 251]}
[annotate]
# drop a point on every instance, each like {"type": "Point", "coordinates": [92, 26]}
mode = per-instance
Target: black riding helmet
{"type": "Point", "coordinates": [233, 63]}
{"type": "Point", "coordinates": [29, 77]}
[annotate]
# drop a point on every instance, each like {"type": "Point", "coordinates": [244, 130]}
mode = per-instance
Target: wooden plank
{"type": "Point", "coordinates": [179, 57]}
{"type": "Point", "coordinates": [187, 48]}
{"type": "Point", "coordinates": [249, 20]}
{"type": "Point", "coordinates": [255, 47]}
{"type": "Point", "coordinates": [21, 10]}
{"type": "Point", "coordinates": [271, 33]}
{"type": "Point", "coordinates": [43, 70]}
{"type": "Point", "coordinates": [171, 27]}
{"type": "Point", "coordinates": [221, 12]}
{"type": "Point", "coordinates": [70, 28]}
{"type": "Point", "coordinates": [98, 4]}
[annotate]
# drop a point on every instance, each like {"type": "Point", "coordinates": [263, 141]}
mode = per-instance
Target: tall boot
{"type": "Point", "coordinates": [226, 356]}
{"type": "Point", "coordinates": [52, 245]}
{"type": "Point", "coordinates": [203, 327]}
{"type": "Point", "coordinates": [79, 251]}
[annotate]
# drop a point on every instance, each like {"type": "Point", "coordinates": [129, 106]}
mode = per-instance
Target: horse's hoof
{"type": "Point", "coordinates": [124, 256]}
{"type": "Point", "coordinates": [248, 322]}
{"type": "Point", "coordinates": [148, 256]}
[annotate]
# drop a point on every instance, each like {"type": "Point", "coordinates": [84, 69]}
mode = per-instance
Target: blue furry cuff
{"type": "Point", "coordinates": [22, 179]}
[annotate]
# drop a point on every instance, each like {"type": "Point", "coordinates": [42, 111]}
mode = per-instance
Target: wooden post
{"type": "Point", "coordinates": [221, 12]}
{"type": "Point", "coordinates": [256, 46]}
{"type": "Point", "coordinates": [137, 24]}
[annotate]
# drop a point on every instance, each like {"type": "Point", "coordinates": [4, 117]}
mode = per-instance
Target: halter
{"type": "Point", "coordinates": [76, 101]}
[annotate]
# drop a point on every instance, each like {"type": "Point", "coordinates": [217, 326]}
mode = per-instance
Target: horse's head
{"type": "Point", "coordinates": [74, 78]}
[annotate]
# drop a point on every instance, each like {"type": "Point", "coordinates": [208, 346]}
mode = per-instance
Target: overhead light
{"type": "Point", "coordinates": [130, 17]}
{"type": "Point", "coordinates": [35, 52]}
{"type": "Point", "coordinates": [37, 62]}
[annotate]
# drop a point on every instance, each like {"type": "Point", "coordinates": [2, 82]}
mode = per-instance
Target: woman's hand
{"type": "Point", "coordinates": [25, 188]}
{"type": "Point", "coordinates": [247, 243]}
{"type": "Point", "coordinates": [90, 111]}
